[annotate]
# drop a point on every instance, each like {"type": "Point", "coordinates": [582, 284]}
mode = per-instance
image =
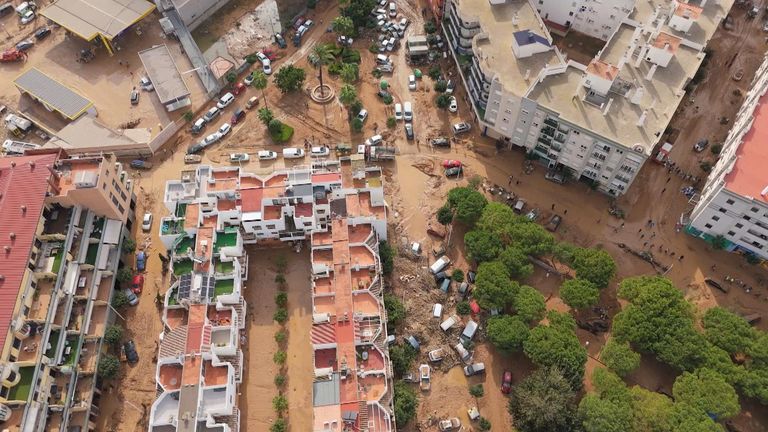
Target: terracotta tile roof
{"type": "Point", "coordinates": [251, 199]}
{"type": "Point", "coordinates": [603, 69]}
{"type": "Point", "coordinates": [748, 176]}
{"type": "Point", "coordinates": [665, 38]}
{"type": "Point", "coordinates": [688, 11]}
{"type": "Point", "coordinates": [20, 185]}
{"type": "Point", "coordinates": [326, 178]}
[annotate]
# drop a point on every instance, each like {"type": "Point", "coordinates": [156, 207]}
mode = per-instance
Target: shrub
{"type": "Point", "coordinates": [705, 166]}
{"type": "Point", "coordinates": [281, 299]}
{"type": "Point", "coordinates": [405, 403]}
{"type": "Point", "coordinates": [441, 86]}
{"type": "Point", "coordinates": [280, 357]}
{"type": "Point", "coordinates": [474, 182]}
{"type": "Point", "coordinates": [444, 215]}
{"type": "Point", "coordinates": [391, 122]}
{"type": "Point", "coordinates": [715, 149]}
{"type": "Point", "coordinates": [279, 404]}
{"type": "Point", "coordinates": [434, 72]}
{"type": "Point", "coordinates": [374, 48]}
{"type": "Point", "coordinates": [430, 27]}
{"type": "Point", "coordinates": [484, 424]}
{"type": "Point", "coordinates": [280, 425]}
{"type": "Point", "coordinates": [387, 100]}
{"type": "Point", "coordinates": [280, 336]}
{"type": "Point", "coordinates": [357, 124]}
{"type": "Point", "coordinates": [109, 366]}
{"type": "Point", "coordinates": [231, 77]}
{"type": "Point", "coordinates": [280, 279]}
{"type": "Point", "coordinates": [279, 380]}
{"type": "Point", "coordinates": [124, 275]}
{"type": "Point", "coordinates": [129, 246]}
{"type": "Point", "coordinates": [251, 59]}
{"type": "Point", "coordinates": [113, 334]}
{"type": "Point", "coordinates": [477, 391]}
{"type": "Point", "coordinates": [457, 276]}
{"type": "Point", "coordinates": [402, 356]}
{"type": "Point", "coordinates": [395, 309]}
{"type": "Point", "coordinates": [334, 68]}
{"type": "Point", "coordinates": [463, 308]}
{"type": "Point", "coordinates": [119, 300]}
{"type": "Point", "coordinates": [189, 116]}
{"type": "Point", "coordinates": [442, 101]}
{"type": "Point", "coordinates": [387, 257]}
{"type": "Point", "coordinates": [281, 315]}
{"type": "Point", "coordinates": [281, 263]}
{"type": "Point", "coordinates": [275, 126]}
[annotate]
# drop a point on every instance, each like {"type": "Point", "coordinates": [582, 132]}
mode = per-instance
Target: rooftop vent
{"type": "Point", "coordinates": [7, 249]}
{"type": "Point", "coordinates": [12, 235]}
{"type": "Point", "coordinates": [23, 208]}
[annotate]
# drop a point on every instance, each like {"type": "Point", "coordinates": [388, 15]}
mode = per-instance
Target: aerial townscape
{"type": "Point", "coordinates": [384, 215]}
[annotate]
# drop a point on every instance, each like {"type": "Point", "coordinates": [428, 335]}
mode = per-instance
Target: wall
{"type": "Point", "coordinates": [194, 12]}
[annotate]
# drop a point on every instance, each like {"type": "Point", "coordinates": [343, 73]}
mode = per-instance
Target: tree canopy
{"type": "Point", "coordinates": [507, 333]}
{"type": "Point", "coordinates": [727, 330]}
{"type": "Point", "coordinates": [406, 403]}
{"type": "Point", "coordinates": [708, 391]}
{"type": "Point", "coordinates": [557, 346]}
{"type": "Point", "coordinates": [290, 78]}
{"type": "Point", "coordinates": [529, 237]}
{"type": "Point", "coordinates": [529, 304]}
{"type": "Point", "coordinates": [482, 245]}
{"type": "Point", "coordinates": [619, 357]}
{"type": "Point", "coordinates": [493, 288]}
{"type": "Point", "coordinates": [594, 265]}
{"type": "Point", "coordinates": [579, 293]}
{"type": "Point", "coordinates": [357, 10]}
{"type": "Point", "coordinates": [344, 26]}
{"type": "Point", "coordinates": [543, 402]}
{"type": "Point", "coordinates": [517, 263]}
{"type": "Point", "coordinates": [468, 204]}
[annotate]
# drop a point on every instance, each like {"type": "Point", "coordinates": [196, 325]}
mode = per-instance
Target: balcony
{"type": "Point", "coordinates": [53, 344]}
{"type": "Point", "coordinates": [172, 226]}
{"type": "Point", "coordinates": [59, 389]}
{"type": "Point", "coordinates": [551, 122]}
{"type": "Point", "coordinates": [224, 268]}
{"type": "Point", "coordinates": [54, 421]}
{"type": "Point", "coordinates": [224, 287]}
{"type": "Point", "coordinates": [56, 224]}
{"type": "Point", "coordinates": [77, 316]}
{"type": "Point", "coordinates": [41, 299]}
{"type": "Point", "coordinates": [30, 347]}
{"type": "Point", "coordinates": [20, 392]}
{"type": "Point", "coordinates": [98, 322]}
{"type": "Point", "coordinates": [51, 257]}
{"type": "Point", "coordinates": [97, 228]}
{"type": "Point", "coordinates": [81, 400]}
{"type": "Point", "coordinates": [71, 348]}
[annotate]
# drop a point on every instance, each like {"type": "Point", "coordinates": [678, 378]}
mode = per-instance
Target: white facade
{"type": "Point", "coordinates": [734, 201]}
{"type": "Point", "coordinates": [596, 18]}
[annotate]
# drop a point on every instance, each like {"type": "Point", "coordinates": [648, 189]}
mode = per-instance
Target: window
{"type": "Point", "coordinates": [721, 210]}
{"type": "Point", "coordinates": [16, 343]}
{"type": "Point", "coordinates": [4, 392]}
{"type": "Point", "coordinates": [121, 208]}
{"type": "Point", "coordinates": [715, 218]}
{"type": "Point", "coordinates": [104, 185]}
{"type": "Point", "coordinates": [730, 201]}
{"type": "Point", "coordinates": [738, 225]}
{"type": "Point", "coordinates": [746, 218]}
{"type": "Point", "coordinates": [570, 13]}
{"type": "Point", "coordinates": [708, 225]}
{"type": "Point", "coordinates": [753, 209]}
{"type": "Point", "coordinates": [114, 201]}
{"type": "Point", "coordinates": [731, 233]}
{"type": "Point", "coordinates": [271, 227]}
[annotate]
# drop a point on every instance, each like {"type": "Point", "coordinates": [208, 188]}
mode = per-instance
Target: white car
{"type": "Point", "coordinates": [267, 155]}
{"type": "Point", "coordinates": [211, 114]}
{"type": "Point", "coordinates": [398, 112]}
{"type": "Point", "coordinates": [320, 151]}
{"type": "Point", "coordinates": [146, 222]}
{"type": "Point", "coordinates": [225, 101]}
{"type": "Point", "coordinates": [407, 111]}
{"type": "Point", "coordinates": [363, 115]}
{"type": "Point", "coordinates": [238, 157]}
{"type": "Point", "coordinates": [210, 139]}
{"type": "Point", "coordinates": [460, 128]}
{"type": "Point", "coordinates": [146, 84]}
{"type": "Point", "coordinates": [224, 129]}
{"type": "Point", "coordinates": [453, 106]}
{"type": "Point", "coordinates": [411, 82]}
{"type": "Point", "coordinates": [28, 17]}
{"type": "Point", "coordinates": [267, 67]}
{"type": "Point", "coordinates": [293, 153]}
{"type": "Point", "coordinates": [374, 140]}
{"type": "Point", "coordinates": [249, 79]}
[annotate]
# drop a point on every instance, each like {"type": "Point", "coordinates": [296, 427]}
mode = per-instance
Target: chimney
{"type": "Point", "coordinates": [12, 235]}
{"type": "Point", "coordinates": [607, 106]}
{"type": "Point", "coordinates": [651, 71]}
{"type": "Point", "coordinates": [23, 208]}
{"type": "Point", "coordinates": [641, 120]}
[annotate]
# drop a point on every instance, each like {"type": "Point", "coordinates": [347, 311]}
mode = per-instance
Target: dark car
{"type": "Point", "coordinates": [42, 33]}
{"type": "Point", "coordinates": [715, 284]}
{"type": "Point", "coordinates": [237, 116]}
{"type": "Point", "coordinates": [280, 41]}
{"type": "Point", "coordinates": [25, 45]}
{"type": "Point", "coordinates": [701, 145]}
{"type": "Point", "coordinates": [409, 131]}
{"type": "Point", "coordinates": [134, 96]}
{"type": "Point", "coordinates": [194, 148]}
{"type": "Point", "coordinates": [554, 223]}
{"type": "Point", "coordinates": [453, 172]}
{"type": "Point", "coordinates": [440, 142]}
{"type": "Point", "coordinates": [130, 352]}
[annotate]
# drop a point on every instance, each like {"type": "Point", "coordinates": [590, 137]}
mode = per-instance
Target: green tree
{"type": "Point", "coordinates": [322, 54]}
{"type": "Point", "coordinates": [280, 357]}
{"type": "Point", "coordinates": [493, 288]}
{"type": "Point", "coordinates": [594, 265]}
{"type": "Point", "coordinates": [687, 418]}
{"type": "Point", "coordinates": [391, 122]}
{"type": "Point", "coordinates": [357, 124]}
{"type": "Point", "coordinates": [442, 100]}
{"type": "Point", "coordinates": [441, 86]}
{"type": "Point", "coordinates": [355, 108]}
{"type": "Point", "coordinates": [651, 411]}
{"type": "Point", "coordinates": [395, 309]}
{"type": "Point", "coordinates": [260, 82]}
{"type": "Point", "coordinates": [280, 315]}
{"type": "Point", "coordinates": [280, 336]}
{"type": "Point", "coordinates": [119, 299]}
{"type": "Point", "coordinates": [561, 320]}
{"type": "Point", "coordinates": [344, 26]}
{"type": "Point", "coordinates": [279, 380]}
{"type": "Point", "coordinates": [109, 366]}
{"type": "Point", "coordinates": [483, 424]}
{"type": "Point", "coordinates": [604, 415]}
{"type": "Point", "coordinates": [280, 425]}
{"type": "Point", "coordinates": [579, 293]}
{"type": "Point", "coordinates": [444, 215]}
{"type": "Point", "coordinates": [281, 299]}
{"type": "Point", "coordinates": [124, 275]}
{"type": "Point", "coordinates": [290, 78]}
{"type": "Point", "coordinates": [517, 263]}
{"type": "Point", "coordinates": [430, 27]}
{"type": "Point", "coordinates": [727, 330]}
{"type": "Point", "coordinates": [457, 275]}
{"type": "Point", "coordinates": [347, 94]}
{"type": "Point", "coordinates": [477, 391]}
{"type": "Point", "coordinates": [189, 116]}
{"type": "Point", "coordinates": [280, 279]}
{"type": "Point", "coordinates": [463, 308]}
{"type": "Point", "coordinates": [406, 403]}
{"type": "Point", "coordinates": [507, 333]}
{"type": "Point", "coordinates": [482, 245]}
{"type": "Point", "coordinates": [113, 334]}
{"type": "Point", "coordinates": [266, 116]}
{"type": "Point", "coordinates": [275, 126]}
{"type": "Point", "coordinates": [552, 346]}
{"type": "Point", "coordinates": [619, 357]}
{"type": "Point", "coordinates": [543, 402]}
{"type": "Point", "coordinates": [402, 356]}
{"type": "Point", "coordinates": [357, 10]}
{"type": "Point", "coordinates": [708, 391]}
{"type": "Point", "coordinates": [231, 77]}
{"type": "Point", "coordinates": [387, 256]}
{"type": "Point", "coordinates": [279, 404]}
{"type": "Point", "coordinates": [468, 204]}
{"type": "Point", "coordinates": [349, 72]}
{"type": "Point", "coordinates": [529, 304]}
{"type": "Point", "coordinates": [434, 72]}
{"type": "Point", "coordinates": [129, 246]}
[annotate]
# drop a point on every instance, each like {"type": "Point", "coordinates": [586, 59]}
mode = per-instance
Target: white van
{"type": "Point", "coordinates": [440, 264]}
{"type": "Point", "coordinates": [450, 322]}
{"type": "Point", "coordinates": [374, 140]}
{"type": "Point", "coordinates": [293, 153]}
{"type": "Point", "coordinates": [267, 155]}
{"type": "Point", "coordinates": [464, 355]}
{"type": "Point", "coordinates": [469, 331]}
{"type": "Point", "coordinates": [407, 111]}
{"type": "Point", "coordinates": [398, 112]}
{"type": "Point", "coordinates": [437, 310]}
{"type": "Point", "coordinates": [382, 59]}
{"type": "Point", "coordinates": [392, 9]}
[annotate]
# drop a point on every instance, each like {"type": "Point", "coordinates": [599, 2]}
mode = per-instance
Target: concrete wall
{"type": "Point", "coordinates": [194, 12]}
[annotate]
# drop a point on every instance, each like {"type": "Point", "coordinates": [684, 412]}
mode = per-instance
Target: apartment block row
{"type": "Point", "coordinates": [734, 202]}
{"type": "Point", "coordinates": [63, 223]}
{"type": "Point", "coordinates": [213, 213]}
{"type": "Point", "coordinates": [597, 122]}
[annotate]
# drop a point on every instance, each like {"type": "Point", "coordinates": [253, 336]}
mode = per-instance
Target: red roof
{"type": "Point", "coordinates": [251, 199]}
{"type": "Point", "coordinates": [326, 178]}
{"type": "Point", "coordinates": [304, 209]}
{"type": "Point", "coordinates": [748, 176]}
{"type": "Point", "coordinates": [20, 185]}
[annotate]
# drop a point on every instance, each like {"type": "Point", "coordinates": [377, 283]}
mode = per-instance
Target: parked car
{"type": "Point", "coordinates": [25, 45]}
{"type": "Point", "coordinates": [280, 40]}
{"type": "Point", "coordinates": [248, 80]}
{"type": "Point", "coordinates": [425, 373]}
{"type": "Point", "coordinates": [252, 102]}
{"type": "Point", "coordinates": [412, 341]}
{"type": "Point", "coordinates": [555, 177]}
{"type": "Point", "coordinates": [519, 206]}
{"type": "Point", "coordinates": [212, 114]}
{"type": "Point", "coordinates": [440, 265]}
{"type": "Point", "coordinates": [28, 17]}
{"type": "Point", "coordinates": [192, 159]}
{"type": "Point", "coordinates": [42, 33]}
{"type": "Point", "coordinates": [224, 130]}
{"type": "Point", "coordinates": [449, 424]}
{"type": "Point", "coordinates": [453, 106]}
{"type": "Point", "coordinates": [374, 140]}
{"type": "Point", "coordinates": [506, 382]}
{"type": "Point", "coordinates": [137, 284]}
{"type": "Point", "coordinates": [267, 155]}
{"type": "Point", "coordinates": [141, 261]}
{"type": "Point", "coordinates": [533, 214]}
{"type": "Point", "coordinates": [210, 139]}
{"type": "Point", "coordinates": [146, 222]}
{"type": "Point", "coordinates": [453, 172]}
{"type": "Point", "coordinates": [134, 96]}
{"type": "Point", "coordinates": [293, 153]}
{"type": "Point", "coordinates": [407, 111]}
{"type": "Point", "coordinates": [460, 128]}
{"type": "Point", "coordinates": [554, 223]}
{"type": "Point", "coordinates": [412, 82]}
{"type": "Point", "coordinates": [198, 126]}
{"type": "Point", "coordinates": [474, 369]}
{"type": "Point", "coordinates": [319, 151]}
{"type": "Point", "coordinates": [194, 148]}
{"type": "Point", "coordinates": [239, 88]}
{"type": "Point", "coordinates": [461, 350]}
{"type": "Point", "coordinates": [451, 163]}
{"type": "Point", "coordinates": [238, 115]}
{"type": "Point", "coordinates": [133, 300]}
{"type": "Point", "coordinates": [440, 142]}
{"type": "Point", "coordinates": [141, 164]}
{"type": "Point", "coordinates": [238, 157]}
{"type": "Point", "coordinates": [409, 131]}
{"type": "Point", "coordinates": [130, 352]}
{"type": "Point", "coordinates": [701, 145]}
{"type": "Point", "coordinates": [363, 115]}
{"type": "Point", "coordinates": [225, 101]}
{"type": "Point", "coordinates": [436, 355]}
{"type": "Point", "coordinates": [398, 112]}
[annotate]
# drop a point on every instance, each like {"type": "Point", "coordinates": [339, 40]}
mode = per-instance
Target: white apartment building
{"type": "Point", "coordinates": [596, 18]}
{"type": "Point", "coordinates": [734, 201]}
{"type": "Point", "coordinates": [597, 122]}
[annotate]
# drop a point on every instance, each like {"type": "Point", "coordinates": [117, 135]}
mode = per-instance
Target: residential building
{"type": "Point", "coordinates": [734, 202]}
{"type": "Point", "coordinates": [194, 12]}
{"type": "Point", "coordinates": [62, 235]}
{"type": "Point", "coordinates": [214, 212]}
{"type": "Point", "coordinates": [596, 18]}
{"type": "Point", "coordinates": [597, 122]}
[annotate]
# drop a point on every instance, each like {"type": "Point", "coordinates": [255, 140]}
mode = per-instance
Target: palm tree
{"type": "Point", "coordinates": [347, 94]}
{"type": "Point", "coordinates": [321, 55]}
{"type": "Point", "coordinates": [266, 116]}
{"type": "Point", "coordinates": [260, 82]}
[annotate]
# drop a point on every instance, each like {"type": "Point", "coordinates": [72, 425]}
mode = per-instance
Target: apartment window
{"type": "Point", "coordinates": [715, 218]}
{"type": "Point", "coordinates": [730, 201]}
{"type": "Point", "coordinates": [721, 210]}
{"type": "Point", "coordinates": [753, 209]}
{"type": "Point", "coordinates": [708, 225]}
{"type": "Point", "coordinates": [104, 185]}
{"type": "Point", "coordinates": [271, 227]}
{"type": "Point", "coordinates": [746, 218]}
{"type": "Point", "coordinates": [4, 392]}
{"type": "Point", "coordinates": [38, 243]}
{"type": "Point", "coordinates": [114, 201]}
{"type": "Point", "coordinates": [738, 225]}
{"type": "Point", "coordinates": [123, 196]}
{"type": "Point", "coordinates": [731, 233]}
{"type": "Point", "coordinates": [121, 208]}
{"type": "Point", "coordinates": [570, 13]}
{"type": "Point", "coordinates": [12, 376]}
{"type": "Point", "coordinates": [16, 343]}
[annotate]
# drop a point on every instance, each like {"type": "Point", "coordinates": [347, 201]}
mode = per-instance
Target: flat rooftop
{"type": "Point", "coordinates": [493, 45]}
{"type": "Point", "coordinates": [661, 95]}
{"type": "Point", "coordinates": [90, 18]}
{"type": "Point", "coordinates": [52, 93]}
{"type": "Point", "coordinates": [704, 26]}
{"type": "Point", "coordinates": [164, 74]}
{"type": "Point", "coordinates": [747, 176]}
